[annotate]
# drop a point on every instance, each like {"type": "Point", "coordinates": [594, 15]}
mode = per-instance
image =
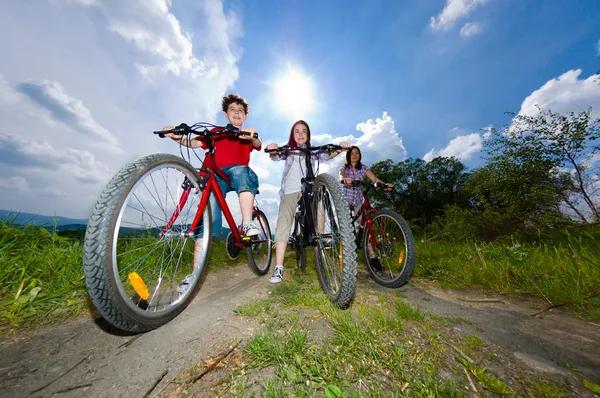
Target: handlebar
{"type": "Point", "coordinates": [358, 183]}
{"type": "Point", "coordinates": [287, 148]}
{"type": "Point", "coordinates": [204, 130]}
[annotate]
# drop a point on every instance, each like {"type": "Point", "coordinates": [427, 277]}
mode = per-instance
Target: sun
{"type": "Point", "coordinates": [293, 94]}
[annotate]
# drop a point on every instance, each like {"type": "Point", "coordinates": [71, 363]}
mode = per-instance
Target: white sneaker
{"type": "Point", "coordinates": [277, 276]}
{"type": "Point", "coordinates": [250, 229]}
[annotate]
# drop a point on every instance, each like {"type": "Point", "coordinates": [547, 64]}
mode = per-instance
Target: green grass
{"type": "Point", "coordinates": [363, 351]}
{"type": "Point", "coordinates": [41, 277]}
{"type": "Point", "coordinates": [543, 389]}
{"type": "Point", "coordinates": [253, 308]}
{"type": "Point", "coordinates": [564, 268]}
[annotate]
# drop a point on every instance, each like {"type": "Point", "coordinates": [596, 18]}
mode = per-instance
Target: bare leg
{"type": "Point", "coordinates": [280, 252]}
{"type": "Point", "coordinates": [321, 219]}
{"type": "Point", "coordinates": [197, 252]}
{"type": "Point", "coordinates": [246, 205]}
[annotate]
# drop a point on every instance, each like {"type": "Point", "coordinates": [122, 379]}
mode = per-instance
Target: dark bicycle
{"type": "Point", "coordinates": [151, 230]}
{"type": "Point", "coordinates": [322, 221]}
{"type": "Point", "coordinates": [386, 240]}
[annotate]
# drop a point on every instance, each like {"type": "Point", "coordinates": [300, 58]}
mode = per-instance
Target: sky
{"type": "Point", "coordinates": [83, 83]}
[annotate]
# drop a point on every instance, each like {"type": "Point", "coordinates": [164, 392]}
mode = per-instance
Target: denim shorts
{"type": "Point", "coordinates": [242, 179]}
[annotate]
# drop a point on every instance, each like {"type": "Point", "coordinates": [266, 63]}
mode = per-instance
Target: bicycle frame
{"type": "Point", "coordinates": [364, 213]}
{"type": "Point", "coordinates": [208, 182]}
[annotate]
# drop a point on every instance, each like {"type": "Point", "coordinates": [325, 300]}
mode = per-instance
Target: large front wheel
{"type": "Point", "coordinates": [142, 263]}
{"type": "Point", "coordinates": [335, 251]}
{"type": "Point", "coordinates": [389, 249]}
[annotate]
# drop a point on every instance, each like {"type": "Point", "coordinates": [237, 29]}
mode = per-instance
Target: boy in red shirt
{"type": "Point", "coordinates": [232, 155]}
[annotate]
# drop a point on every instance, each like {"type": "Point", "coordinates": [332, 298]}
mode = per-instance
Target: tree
{"type": "Point", "coordinates": [556, 146]}
{"type": "Point", "coordinates": [422, 189]}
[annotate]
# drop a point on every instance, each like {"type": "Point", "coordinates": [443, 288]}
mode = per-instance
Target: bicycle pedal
{"type": "Point", "coordinates": [246, 238]}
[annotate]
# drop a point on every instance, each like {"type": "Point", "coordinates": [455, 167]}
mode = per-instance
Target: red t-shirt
{"type": "Point", "coordinates": [232, 151]}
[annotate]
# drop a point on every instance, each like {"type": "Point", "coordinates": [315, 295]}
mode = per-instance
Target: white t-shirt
{"type": "Point", "coordinates": [293, 180]}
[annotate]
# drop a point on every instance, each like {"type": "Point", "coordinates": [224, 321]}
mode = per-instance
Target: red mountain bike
{"type": "Point", "coordinates": [148, 239]}
{"type": "Point", "coordinates": [386, 239]}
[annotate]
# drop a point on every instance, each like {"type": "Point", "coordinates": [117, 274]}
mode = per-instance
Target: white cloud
{"type": "Point", "coordinates": [379, 140]}
{"type": "Point", "coordinates": [567, 93]}
{"type": "Point", "coordinates": [470, 29]}
{"type": "Point", "coordinates": [453, 11]}
{"type": "Point", "coordinates": [23, 153]}
{"type": "Point", "coordinates": [8, 95]}
{"type": "Point", "coordinates": [53, 97]}
{"type": "Point", "coordinates": [103, 69]}
{"type": "Point", "coordinates": [461, 147]}
{"type": "Point", "coordinates": [14, 184]}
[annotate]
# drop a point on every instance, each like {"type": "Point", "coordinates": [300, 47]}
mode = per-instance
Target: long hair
{"type": "Point", "coordinates": [292, 141]}
{"type": "Point", "coordinates": [349, 156]}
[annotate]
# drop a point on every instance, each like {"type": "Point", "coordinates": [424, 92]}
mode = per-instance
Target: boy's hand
{"type": "Point", "coordinates": [249, 133]}
{"type": "Point", "coordinates": [172, 136]}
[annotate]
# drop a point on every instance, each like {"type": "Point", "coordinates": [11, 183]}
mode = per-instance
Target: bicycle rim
{"type": "Point", "coordinates": [390, 261]}
{"type": "Point", "coordinates": [151, 260]}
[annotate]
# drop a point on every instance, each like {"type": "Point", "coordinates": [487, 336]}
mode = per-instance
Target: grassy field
{"type": "Point", "coordinates": [41, 273]}
{"type": "Point", "coordinates": [563, 268]}
{"type": "Point", "coordinates": [383, 345]}
{"type": "Point", "coordinates": [41, 277]}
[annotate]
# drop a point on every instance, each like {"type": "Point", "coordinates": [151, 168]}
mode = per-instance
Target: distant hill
{"type": "Point", "coordinates": [21, 218]}
{"type": "Point", "coordinates": [64, 223]}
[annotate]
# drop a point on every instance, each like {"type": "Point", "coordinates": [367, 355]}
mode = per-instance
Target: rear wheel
{"type": "Point", "coordinates": [335, 252]}
{"type": "Point", "coordinates": [138, 273]}
{"type": "Point", "coordinates": [391, 260]}
{"type": "Point", "coordinates": [260, 251]}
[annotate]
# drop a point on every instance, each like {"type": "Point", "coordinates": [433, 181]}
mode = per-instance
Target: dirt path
{"type": "Point", "coordinates": [100, 364]}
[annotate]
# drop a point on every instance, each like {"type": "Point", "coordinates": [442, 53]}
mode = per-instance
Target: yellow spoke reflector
{"type": "Point", "coordinates": [139, 285]}
{"type": "Point", "coordinates": [401, 257]}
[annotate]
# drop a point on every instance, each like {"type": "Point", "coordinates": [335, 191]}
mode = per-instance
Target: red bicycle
{"type": "Point", "coordinates": [148, 239]}
{"type": "Point", "coordinates": [386, 239]}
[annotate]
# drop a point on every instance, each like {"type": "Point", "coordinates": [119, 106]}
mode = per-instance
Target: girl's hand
{"type": "Point", "coordinates": [345, 144]}
{"type": "Point", "coordinates": [348, 181]}
{"type": "Point", "coordinates": [272, 146]}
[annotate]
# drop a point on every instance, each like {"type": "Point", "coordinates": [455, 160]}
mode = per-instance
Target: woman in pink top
{"type": "Point", "coordinates": [354, 170]}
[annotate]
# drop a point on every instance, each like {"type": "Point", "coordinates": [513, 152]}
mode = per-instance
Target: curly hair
{"type": "Point", "coordinates": [234, 99]}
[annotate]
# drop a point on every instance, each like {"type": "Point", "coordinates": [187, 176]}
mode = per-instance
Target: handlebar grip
{"type": "Point", "coordinates": [161, 134]}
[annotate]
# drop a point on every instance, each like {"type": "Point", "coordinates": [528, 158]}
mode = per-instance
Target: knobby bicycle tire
{"type": "Point", "coordinates": [342, 297]}
{"type": "Point", "coordinates": [255, 250]}
{"type": "Point", "coordinates": [102, 277]}
{"type": "Point", "coordinates": [402, 277]}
